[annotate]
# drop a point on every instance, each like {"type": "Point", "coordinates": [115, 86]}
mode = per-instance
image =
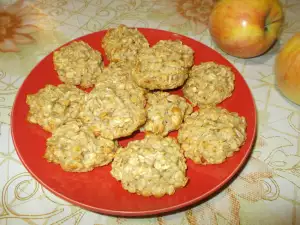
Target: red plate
{"type": "Point", "coordinates": [98, 190]}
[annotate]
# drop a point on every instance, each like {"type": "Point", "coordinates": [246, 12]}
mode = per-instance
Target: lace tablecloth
{"type": "Point", "coordinates": [267, 191]}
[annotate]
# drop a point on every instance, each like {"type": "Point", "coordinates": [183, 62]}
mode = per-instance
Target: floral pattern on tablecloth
{"type": "Point", "coordinates": [267, 191]}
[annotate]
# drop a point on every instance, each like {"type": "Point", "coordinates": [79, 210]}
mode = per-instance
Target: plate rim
{"type": "Point", "coordinates": [145, 213]}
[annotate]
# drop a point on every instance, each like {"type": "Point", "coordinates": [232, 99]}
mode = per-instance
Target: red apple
{"type": "Point", "coordinates": [287, 69]}
{"type": "Point", "coordinates": [245, 28]}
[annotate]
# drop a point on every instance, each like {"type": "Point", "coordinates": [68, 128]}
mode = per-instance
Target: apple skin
{"type": "Point", "coordinates": [287, 69]}
{"type": "Point", "coordinates": [245, 28]}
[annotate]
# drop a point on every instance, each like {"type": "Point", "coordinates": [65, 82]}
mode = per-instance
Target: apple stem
{"type": "Point", "coordinates": [274, 21]}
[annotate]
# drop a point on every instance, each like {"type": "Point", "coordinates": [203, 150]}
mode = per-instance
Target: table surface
{"type": "Point", "coordinates": [267, 191]}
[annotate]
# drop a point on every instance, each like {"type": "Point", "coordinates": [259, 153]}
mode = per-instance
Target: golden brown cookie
{"type": "Point", "coordinates": [165, 112]}
{"type": "Point", "coordinates": [113, 112]}
{"type": "Point", "coordinates": [78, 64]}
{"type": "Point", "coordinates": [52, 105]}
{"type": "Point", "coordinates": [209, 84]}
{"type": "Point", "coordinates": [164, 66]}
{"type": "Point", "coordinates": [152, 166]}
{"type": "Point", "coordinates": [123, 43]}
{"type": "Point", "coordinates": [212, 134]}
{"type": "Point", "coordinates": [76, 149]}
{"type": "Point", "coordinates": [118, 76]}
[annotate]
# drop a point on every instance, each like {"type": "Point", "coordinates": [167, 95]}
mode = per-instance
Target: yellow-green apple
{"type": "Point", "coordinates": [287, 69]}
{"type": "Point", "coordinates": [245, 28]}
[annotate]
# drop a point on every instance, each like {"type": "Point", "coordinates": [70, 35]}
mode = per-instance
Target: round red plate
{"type": "Point", "coordinates": [98, 190]}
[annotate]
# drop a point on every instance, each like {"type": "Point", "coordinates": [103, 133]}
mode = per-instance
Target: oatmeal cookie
{"type": "Point", "coordinates": [152, 166]}
{"type": "Point", "coordinates": [212, 134]}
{"type": "Point", "coordinates": [52, 105]}
{"type": "Point", "coordinates": [114, 112]}
{"type": "Point", "coordinates": [76, 149]}
{"type": "Point", "coordinates": [78, 64]}
{"type": "Point", "coordinates": [165, 112]}
{"type": "Point", "coordinates": [209, 84]}
{"type": "Point", "coordinates": [163, 66]}
{"type": "Point", "coordinates": [118, 76]}
{"type": "Point", "coordinates": [123, 43]}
